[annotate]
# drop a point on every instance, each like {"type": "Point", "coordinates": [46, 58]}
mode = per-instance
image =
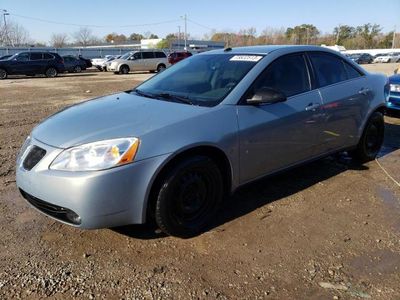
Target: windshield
{"type": "Point", "coordinates": [204, 79]}
{"type": "Point", "coordinates": [126, 55]}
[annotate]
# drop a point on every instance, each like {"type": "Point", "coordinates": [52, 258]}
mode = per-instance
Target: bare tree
{"type": "Point", "coordinates": [13, 34]}
{"type": "Point", "coordinates": [84, 36]}
{"type": "Point", "coordinates": [59, 40]}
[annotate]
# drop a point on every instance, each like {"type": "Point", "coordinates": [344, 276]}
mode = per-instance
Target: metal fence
{"type": "Point", "coordinates": [85, 52]}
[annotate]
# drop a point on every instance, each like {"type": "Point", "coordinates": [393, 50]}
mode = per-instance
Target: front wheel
{"type": "Point", "coordinates": [78, 69]}
{"type": "Point", "coordinates": [3, 74]}
{"type": "Point", "coordinates": [189, 197]}
{"type": "Point", "coordinates": [51, 72]}
{"type": "Point", "coordinates": [371, 140]}
{"type": "Point", "coordinates": [124, 70]}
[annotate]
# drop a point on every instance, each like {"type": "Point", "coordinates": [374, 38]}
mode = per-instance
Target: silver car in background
{"type": "Point", "coordinates": [144, 60]}
{"type": "Point", "coordinates": [170, 149]}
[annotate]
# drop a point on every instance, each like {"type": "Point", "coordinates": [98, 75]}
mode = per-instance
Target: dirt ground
{"type": "Point", "coordinates": [328, 230]}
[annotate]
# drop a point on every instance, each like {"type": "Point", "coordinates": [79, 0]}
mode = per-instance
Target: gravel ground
{"type": "Point", "coordinates": [327, 230]}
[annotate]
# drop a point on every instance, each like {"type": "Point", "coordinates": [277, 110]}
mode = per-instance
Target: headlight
{"type": "Point", "coordinates": [97, 156]}
{"type": "Point", "coordinates": [395, 88]}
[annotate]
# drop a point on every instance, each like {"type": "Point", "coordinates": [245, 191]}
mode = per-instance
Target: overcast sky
{"type": "Point", "coordinates": [120, 15]}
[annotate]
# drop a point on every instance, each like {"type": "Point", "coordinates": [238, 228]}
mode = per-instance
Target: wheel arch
{"type": "Point", "coordinates": [381, 108]}
{"type": "Point", "coordinates": [212, 151]}
{"type": "Point", "coordinates": [123, 65]}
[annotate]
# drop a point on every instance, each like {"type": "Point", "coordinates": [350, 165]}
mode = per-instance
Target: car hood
{"type": "Point", "coordinates": [113, 116]}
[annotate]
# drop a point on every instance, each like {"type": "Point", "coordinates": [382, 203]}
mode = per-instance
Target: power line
{"type": "Point", "coordinates": [198, 24]}
{"type": "Point", "coordinates": [93, 25]}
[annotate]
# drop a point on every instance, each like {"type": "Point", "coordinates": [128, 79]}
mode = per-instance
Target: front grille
{"type": "Point", "coordinates": [34, 156]}
{"type": "Point", "coordinates": [58, 212]}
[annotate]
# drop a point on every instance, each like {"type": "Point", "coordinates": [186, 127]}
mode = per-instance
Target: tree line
{"type": "Point", "coordinates": [365, 36]}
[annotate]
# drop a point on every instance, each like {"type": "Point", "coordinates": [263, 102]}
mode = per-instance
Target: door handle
{"type": "Point", "coordinates": [364, 91]}
{"type": "Point", "coordinates": [312, 106]}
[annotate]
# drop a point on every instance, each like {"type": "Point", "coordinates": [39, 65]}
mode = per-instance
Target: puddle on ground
{"type": "Point", "coordinates": [383, 262]}
{"type": "Point", "coordinates": [388, 197]}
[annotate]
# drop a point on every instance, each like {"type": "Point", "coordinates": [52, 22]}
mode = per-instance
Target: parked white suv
{"type": "Point", "coordinates": [149, 60]}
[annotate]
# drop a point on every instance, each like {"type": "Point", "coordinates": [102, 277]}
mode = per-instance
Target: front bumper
{"type": "Point", "coordinates": [100, 199]}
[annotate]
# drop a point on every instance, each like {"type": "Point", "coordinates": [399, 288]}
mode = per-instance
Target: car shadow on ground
{"type": "Point", "coordinates": [262, 192]}
{"type": "Point", "coordinates": [273, 188]}
{"type": "Point", "coordinates": [19, 77]}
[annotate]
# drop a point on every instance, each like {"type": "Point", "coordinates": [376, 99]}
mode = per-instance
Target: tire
{"type": "Point", "coordinates": [3, 74]}
{"type": "Point", "coordinates": [77, 69]}
{"type": "Point", "coordinates": [51, 72]}
{"type": "Point", "coordinates": [160, 68]}
{"type": "Point", "coordinates": [116, 73]}
{"type": "Point", "coordinates": [189, 197]}
{"type": "Point", "coordinates": [371, 140]}
{"type": "Point", "coordinates": [124, 70]}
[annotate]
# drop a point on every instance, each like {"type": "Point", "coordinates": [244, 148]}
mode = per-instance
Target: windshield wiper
{"type": "Point", "coordinates": [144, 94]}
{"type": "Point", "coordinates": [180, 98]}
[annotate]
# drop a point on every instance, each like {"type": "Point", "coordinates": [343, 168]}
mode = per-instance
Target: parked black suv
{"type": "Point", "coordinates": [32, 63]}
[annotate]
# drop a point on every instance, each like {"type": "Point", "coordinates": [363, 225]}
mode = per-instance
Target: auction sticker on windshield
{"type": "Point", "coordinates": [253, 58]}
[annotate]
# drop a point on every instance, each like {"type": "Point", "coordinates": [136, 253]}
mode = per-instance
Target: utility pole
{"type": "Point", "coordinates": [179, 37]}
{"type": "Point", "coordinates": [5, 13]}
{"type": "Point", "coordinates": [185, 19]}
{"type": "Point", "coordinates": [394, 36]}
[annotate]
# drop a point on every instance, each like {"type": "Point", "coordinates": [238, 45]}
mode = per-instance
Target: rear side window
{"type": "Point", "coordinates": [147, 55]}
{"type": "Point", "coordinates": [36, 56]}
{"type": "Point", "coordinates": [48, 56]}
{"type": "Point", "coordinates": [351, 71]}
{"type": "Point", "coordinates": [160, 54]}
{"type": "Point", "coordinates": [328, 68]}
{"type": "Point", "coordinates": [287, 74]}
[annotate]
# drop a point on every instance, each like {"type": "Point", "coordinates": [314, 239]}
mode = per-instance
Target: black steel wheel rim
{"type": "Point", "coordinates": [194, 197]}
{"type": "Point", "coordinates": [51, 72]}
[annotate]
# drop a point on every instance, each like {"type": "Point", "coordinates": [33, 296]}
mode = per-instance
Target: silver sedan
{"type": "Point", "coordinates": [170, 149]}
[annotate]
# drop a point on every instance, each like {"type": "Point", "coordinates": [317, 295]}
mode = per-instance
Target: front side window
{"type": "Point", "coordinates": [23, 57]}
{"type": "Point", "coordinates": [287, 74]}
{"type": "Point", "coordinates": [328, 68]}
{"type": "Point", "coordinates": [137, 55]}
{"type": "Point", "coordinates": [202, 79]}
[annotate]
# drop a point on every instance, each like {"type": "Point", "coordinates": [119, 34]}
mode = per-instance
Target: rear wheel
{"type": "Point", "coordinates": [371, 140]}
{"type": "Point", "coordinates": [161, 68]}
{"type": "Point", "coordinates": [189, 197]}
{"type": "Point", "coordinates": [124, 70]}
{"type": "Point", "coordinates": [51, 72]}
{"type": "Point", "coordinates": [78, 69]}
{"type": "Point", "coordinates": [3, 74]}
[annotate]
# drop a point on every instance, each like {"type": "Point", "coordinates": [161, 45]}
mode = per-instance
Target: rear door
{"type": "Point", "coordinates": [36, 63]}
{"type": "Point", "coordinates": [275, 136]}
{"type": "Point", "coordinates": [346, 97]}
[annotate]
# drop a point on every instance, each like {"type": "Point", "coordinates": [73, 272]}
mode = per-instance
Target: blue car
{"type": "Point", "coordinates": [394, 96]}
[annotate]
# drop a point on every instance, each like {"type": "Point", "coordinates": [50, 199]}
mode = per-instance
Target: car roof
{"type": "Point", "coordinates": [266, 49]}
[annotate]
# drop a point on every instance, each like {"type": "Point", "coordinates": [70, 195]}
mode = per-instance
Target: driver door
{"type": "Point", "coordinates": [136, 61]}
{"type": "Point", "coordinates": [20, 64]}
{"type": "Point", "coordinates": [275, 136]}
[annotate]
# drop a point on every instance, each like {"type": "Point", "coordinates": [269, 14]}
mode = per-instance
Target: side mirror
{"type": "Point", "coordinates": [266, 96]}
